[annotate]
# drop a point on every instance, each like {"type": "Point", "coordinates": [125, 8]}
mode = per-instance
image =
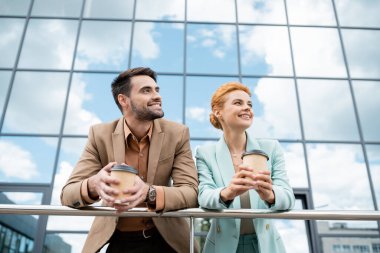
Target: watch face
{"type": "Point", "coordinates": [152, 194]}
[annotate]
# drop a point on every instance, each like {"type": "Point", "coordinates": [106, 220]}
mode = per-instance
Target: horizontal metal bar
{"type": "Point", "coordinates": [192, 212]}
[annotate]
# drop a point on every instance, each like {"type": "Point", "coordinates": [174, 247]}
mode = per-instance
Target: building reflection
{"type": "Point", "coordinates": [17, 233]}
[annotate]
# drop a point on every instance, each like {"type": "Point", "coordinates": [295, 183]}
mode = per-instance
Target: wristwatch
{"type": "Point", "coordinates": [151, 197]}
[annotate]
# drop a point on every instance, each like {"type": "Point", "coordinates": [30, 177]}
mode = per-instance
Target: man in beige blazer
{"type": "Point", "coordinates": [158, 149]}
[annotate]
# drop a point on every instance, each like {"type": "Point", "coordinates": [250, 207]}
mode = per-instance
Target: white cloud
{"type": "Point", "coordinates": [36, 108]}
{"type": "Point", "coordinates": [317, 52]}
{"type": "Point", "coordinates": [25, 198]}
{"type": "Point", "coordinates": [363, 52]}
{"type": "Point", "coordinates": [155, 9]}
{"type": "Point", "coordinates": [349, 11]}
{"type": "Point", "coordinates": [10, 34]}
{"type": "Point", "coordinates": [219, 39]}
{"type": "Point", "coordinates": [375, 173]}
{"type": "Point", "coordinates": [191, 38]}
{"type": "Point", "coordinates": [279, 117]}
{"type": "Point", "coordinates": [197, 113]}
{"type": "Point", "coordinates": [334, 170]}
{"type": "Point", "coordinates": [143, 41]}
{"type": "Point", "coordinates": [16, 162]}
{"type": "Point", "coordinates": [45, 107]}
{"type": "Point", "coordinates": [295, 165]}
{"type": "Point", "coordinates": [311, 12]}
{"type": "Point", "coordinates": [258, 11]}
{"type": "Point", "coordinates": [58, 222]}
{"type": "Point", "coordinates": [78, 119]}
{"type": "Point", "coordinates": [51, 42]}
{"type": "Point", "coordinates": [208, 43]}
{"type": "Point", "coordinates": [367, 98]}
{"type": "Point", "coordinates": [332, 121]}
{"type": "Point", "coordinates": [217, 10]}
{"type": "Point", "coordinates": [293, 234]}
{"type": "Point", "coordinates": [219, 53]}
{"type": "Point", "coordinates": [269, 44]}
{"type": "Point", "coordinates": [60, 178]}
{"type": "Point", "coordinates": [111, 48]}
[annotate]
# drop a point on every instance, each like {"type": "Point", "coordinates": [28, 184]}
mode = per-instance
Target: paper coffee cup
{"type": "Point", "coordinates": [126, 174]}
{"type": "Point", "coordinates": [256, 159]}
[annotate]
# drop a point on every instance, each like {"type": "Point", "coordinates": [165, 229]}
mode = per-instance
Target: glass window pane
{"type": "Point", "coordinates": [334, 169]}
{"type": "Point", "coordinates": [367, 96]}
{"type": "Point", "coordinates": [198, 105]}
{"type": "Point", "coordinates": [275, 108]}
{"type": "Point", "coordinates": [294, 233]}
{"type": "Point", "coordinates": [258, 11]}
{"type": "Point", "coordinates": [64, 242]}
{"type": "Point", "coordinates": [265, 50]}
{"type": "Point", "coordinates": [70, 152]}
{"type": "Point", "coordinates": [21, 198]}
{"type": "Point", "coordinates": [5, 77]}
{"type": "Point", "coordinates": [18, 228]}
{"type": "Point", "coordinates": [310, 12]}
{"type": "Point", "coordinates": [49, 44]}
{"type": "Point", "coordinates": [107, 52]}
{"type": "Point", "coordinates": [327, 115]}
{"type": "Point", "coordinates": [217, 44]}
{"type": "Point", "coordinates": [373, 153]}
{"type": "Point", "coordinates": [159, 46]}
{"type": "Point", "coordinates": [14, 7]}
{"type": "Point", "coordinates": [171, 91]}
{"type": "Point", "coordinates": [36, 106]}
{"type": "Point", "coordinates": [10, 34]}
{"type": "Point", "coordinates": [317, 52]}
{"type": "Point", "coordinates": [71, 149]}
{"type": "Point", "coordinates": [225, 11]}
{"type": "Point", "coordinates": [27, 159]}
{"type": "Point", "coordinates": [160, 9]}
{"type": "Point", "coordinates": [122, 9]}
{"type": "Point", "coordinates": [295, 164]}
{"type": "Point", "coordinates": [90, 102]}
{"type": "Point", "coordinates": [358, 13]}
{"type": "Point", "coordinates": [362, 52]}
{"type": "Point", "coordinates": [57, 8]}
{"type": "Point", "coordinates": [331, 190]}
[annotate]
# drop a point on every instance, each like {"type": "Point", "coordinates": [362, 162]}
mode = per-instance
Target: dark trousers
{"type": "Point", "coordinates": [135, 242]}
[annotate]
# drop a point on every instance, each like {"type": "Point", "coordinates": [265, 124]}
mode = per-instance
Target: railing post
{"type": "Point", "coordinates": [191, 234]}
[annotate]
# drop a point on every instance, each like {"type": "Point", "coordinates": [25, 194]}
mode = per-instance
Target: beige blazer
{"type": "Point", "coordinates": [169, 158]}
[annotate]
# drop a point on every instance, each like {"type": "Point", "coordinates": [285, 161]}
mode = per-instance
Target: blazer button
{"type": "Point", "coordinates": [267, 226]}
{"type": "Point", "coordinates": [218, 229]}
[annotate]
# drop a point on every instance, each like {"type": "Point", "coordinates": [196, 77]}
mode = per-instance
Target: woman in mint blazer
{"type": "Point", "coordinates": [224, 182]}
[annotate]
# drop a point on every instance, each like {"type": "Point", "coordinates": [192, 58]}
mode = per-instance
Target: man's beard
{"type": "Point", "coordinates": [145, 113]}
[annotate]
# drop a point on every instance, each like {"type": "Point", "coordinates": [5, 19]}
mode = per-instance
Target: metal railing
{"type": "Point", "coordinates": [193, 213]}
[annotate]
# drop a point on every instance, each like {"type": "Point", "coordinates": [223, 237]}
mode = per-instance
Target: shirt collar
{"type": "Point", "coordinates": [128, 132]}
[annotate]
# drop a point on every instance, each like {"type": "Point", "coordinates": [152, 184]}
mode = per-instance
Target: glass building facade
{"type": "Point", "coordinates": [313, 67]}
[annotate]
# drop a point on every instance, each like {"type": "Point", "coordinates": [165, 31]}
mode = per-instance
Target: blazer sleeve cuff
{"type": "Point", "coordinates": [84, 193]}
{"type": "Point", "coordinates": [225, 204]}
{"type": "Point", "coordinates": [160, 198]}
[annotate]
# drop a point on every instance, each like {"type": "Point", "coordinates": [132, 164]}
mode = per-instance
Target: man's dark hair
{"type": "Point", "coordinates": [122, 83]}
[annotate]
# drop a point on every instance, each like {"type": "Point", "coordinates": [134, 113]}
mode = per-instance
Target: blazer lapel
{"type": "Point", "coordinates": [154, 150]}
{"type": "Point", "coordinates": [252, 143]}
{"type": "Point", "coordinates": [224, 161]}
{"type": "Point", "coordinates": [118, 142]}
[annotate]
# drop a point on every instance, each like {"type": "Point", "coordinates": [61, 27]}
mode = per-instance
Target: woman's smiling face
{"type": "Point", "coordinates": [237, 110]}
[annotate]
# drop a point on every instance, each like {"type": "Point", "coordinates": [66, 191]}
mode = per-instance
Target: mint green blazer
{"type": "Point", "coordinates": [215, 171]}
